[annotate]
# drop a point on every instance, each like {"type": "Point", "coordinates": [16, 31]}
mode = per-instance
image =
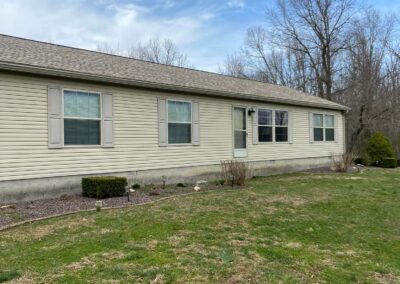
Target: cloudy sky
{"type": "Point", "coordinates": [206, 30]}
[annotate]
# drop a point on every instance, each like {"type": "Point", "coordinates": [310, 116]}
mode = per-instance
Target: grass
{"type": "Point", "coordinates": [296, 228]}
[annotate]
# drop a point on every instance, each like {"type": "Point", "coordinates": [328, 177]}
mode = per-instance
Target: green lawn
{"type": "Point", "coordinates": [307, 228]}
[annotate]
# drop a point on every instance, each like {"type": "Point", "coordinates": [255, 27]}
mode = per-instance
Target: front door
{"type": "Point", "coordinates": [239, 132]}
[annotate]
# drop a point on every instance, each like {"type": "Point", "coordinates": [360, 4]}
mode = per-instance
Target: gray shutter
{"type": "Point", "coordinates": [162, 122]}
{"type": "Point", "coordinates": [310, 115]}
{"type": "Point", "coordinates": [255, 126]}
{"type": "Point", "coordinates": [290, 124]}
{"type": "Point", "coordinates": [108, 121]}
{"type": "Point", "coordinates": [195, 123]}
{"type": "Point", "coordinates": [55, 119]}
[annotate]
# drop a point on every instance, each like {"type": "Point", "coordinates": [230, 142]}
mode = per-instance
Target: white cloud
{"type": "Point", "coordinates": [121, 24]}
{"type": "Point", "coordinates": [79, 24]}
{"type": "Point", "coordinates": [236, 3]}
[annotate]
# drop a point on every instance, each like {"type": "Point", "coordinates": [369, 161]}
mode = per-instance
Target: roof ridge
{"type": "Point", "coordinates": [34, 53]}
{"type": "Point", "coordinates": [146, 61]}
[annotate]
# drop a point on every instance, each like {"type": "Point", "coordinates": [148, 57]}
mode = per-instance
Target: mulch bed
{"type": "Point", "coordinates": [30, 210]}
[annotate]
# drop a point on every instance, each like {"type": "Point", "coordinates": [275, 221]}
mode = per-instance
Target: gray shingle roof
{"type": "Point", "coordinates": [50, 59]}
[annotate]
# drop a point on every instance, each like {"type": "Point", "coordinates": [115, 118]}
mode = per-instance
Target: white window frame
{"type": "Point", "coordinates": [265, 125]}
{"type": "Point", "coordinates": [178, 122]}
{"type": "Point", "coordinates": [324, 128]}
{"type": "Point", "coordinates": [274, 125]}
{"type": "Point", "coordinates": [80, 118]}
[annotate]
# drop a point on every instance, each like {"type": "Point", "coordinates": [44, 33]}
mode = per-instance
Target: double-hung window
{"type": "Point", "coordinates": [265, 126]}
{"type": "Point", "coordinates": [323, 127]}
{"type": "Point", "coordinates": [82, 118]}
{"type": "Point", "coordinates": [273, 125]}
{"type": "Point", "coordinates": [179, 122]}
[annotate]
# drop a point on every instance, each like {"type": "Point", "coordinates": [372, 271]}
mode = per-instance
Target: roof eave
{"type": "Point", "coordinates": [7, 66]}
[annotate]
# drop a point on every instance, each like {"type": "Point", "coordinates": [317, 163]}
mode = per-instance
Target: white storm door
{"type": "Point", "coordinates": [239, 132]}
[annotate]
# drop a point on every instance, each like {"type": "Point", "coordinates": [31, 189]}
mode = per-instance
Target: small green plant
{"type": "Point", "coordinates": [379, 147]}
{"type": "Point", "coordinates": [103, 187]}
{"type": "Point", "coordinates": [181, 185]}
{"type": "Point", "coordinates": [220, 182]}
{"type": "Point", "coordinates": [136, 186]}
{"type": "Point", "coordinates": [8, 275]}
{"type": "Point", "coordinates": [389, 163]}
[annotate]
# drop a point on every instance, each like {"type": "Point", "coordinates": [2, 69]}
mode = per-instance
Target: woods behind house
{"type": "Point", "coordinates": [334, 49]}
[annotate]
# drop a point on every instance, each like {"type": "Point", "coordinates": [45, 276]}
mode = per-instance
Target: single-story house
{"type": "Point", "coordinates": [66, 113]}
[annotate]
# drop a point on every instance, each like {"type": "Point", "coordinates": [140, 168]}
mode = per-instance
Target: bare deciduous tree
{"type": "Point", "coordinates": [316, 29]}
{"type": "Point", "coordinates": [259, 60]}
{"type": "Point", "coordinates": [368, 71]}
{"type": "Point", "coordinates": [159, 51]}
{"type": "Point", "coordinates": [154, 50]}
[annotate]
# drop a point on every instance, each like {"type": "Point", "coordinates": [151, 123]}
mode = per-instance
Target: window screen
{"type": "Point", "coordinates": [82, 118]}
{"type": "Point", "coordinates": [265, 125]}
{"type": "Point", "coordinates": [323, 127]}
{"type": "Point", "coordinates": [179, 122]}
{"type": "Point", "coordinates": [273, 123]}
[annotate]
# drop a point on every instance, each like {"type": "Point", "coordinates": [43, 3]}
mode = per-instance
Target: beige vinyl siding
{"type": "Point", "coordinates": [25, 154]}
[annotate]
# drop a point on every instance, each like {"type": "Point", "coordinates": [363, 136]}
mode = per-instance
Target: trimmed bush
{"type": "Point", "coordinates": [379, 147]}
{"type": "Point", "coordinates": [136, 186]}
{"type": "Point", "coordinates": [103, 187]}
{"type": "Point", "coordinates": [389, 163]}
{"type": "Point", "coordinates": [398, 163]}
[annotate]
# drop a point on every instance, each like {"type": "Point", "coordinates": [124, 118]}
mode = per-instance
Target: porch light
{"type": "Point", "coordinates": [251, 111]}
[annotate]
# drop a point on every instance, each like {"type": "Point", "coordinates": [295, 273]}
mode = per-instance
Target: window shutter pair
{"type": "Point", "coordinates": [163, 123]}
{"type": "Point", "coordinates": [56, 123]}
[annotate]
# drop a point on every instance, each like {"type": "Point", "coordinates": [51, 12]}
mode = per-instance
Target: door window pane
{"type": "Point", "coordinates": [330, 134]}
{"type": "Point", "coordinates": [264, 117]}
{"type": "Point", "coordinates": [318, 120]}
{"type": "Point", "coordinates": [240, 139]}
{"type": "Point", "coordinates": [239, 119]}
{"type": "Point", "coordinates": [81, 132]}
{"type": "Point", "coordinates": [179, 111]}
{"type": "Point", "coordinates": [179, 133]}
{"type": "Point", "coordinates": [281, 134]}
{"type": "Point", "coordinates": [318, 134]}
{"type": "Point", "coordinates": [281, 118]}
{"type": "Point", "coordinates": [265, 133]}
